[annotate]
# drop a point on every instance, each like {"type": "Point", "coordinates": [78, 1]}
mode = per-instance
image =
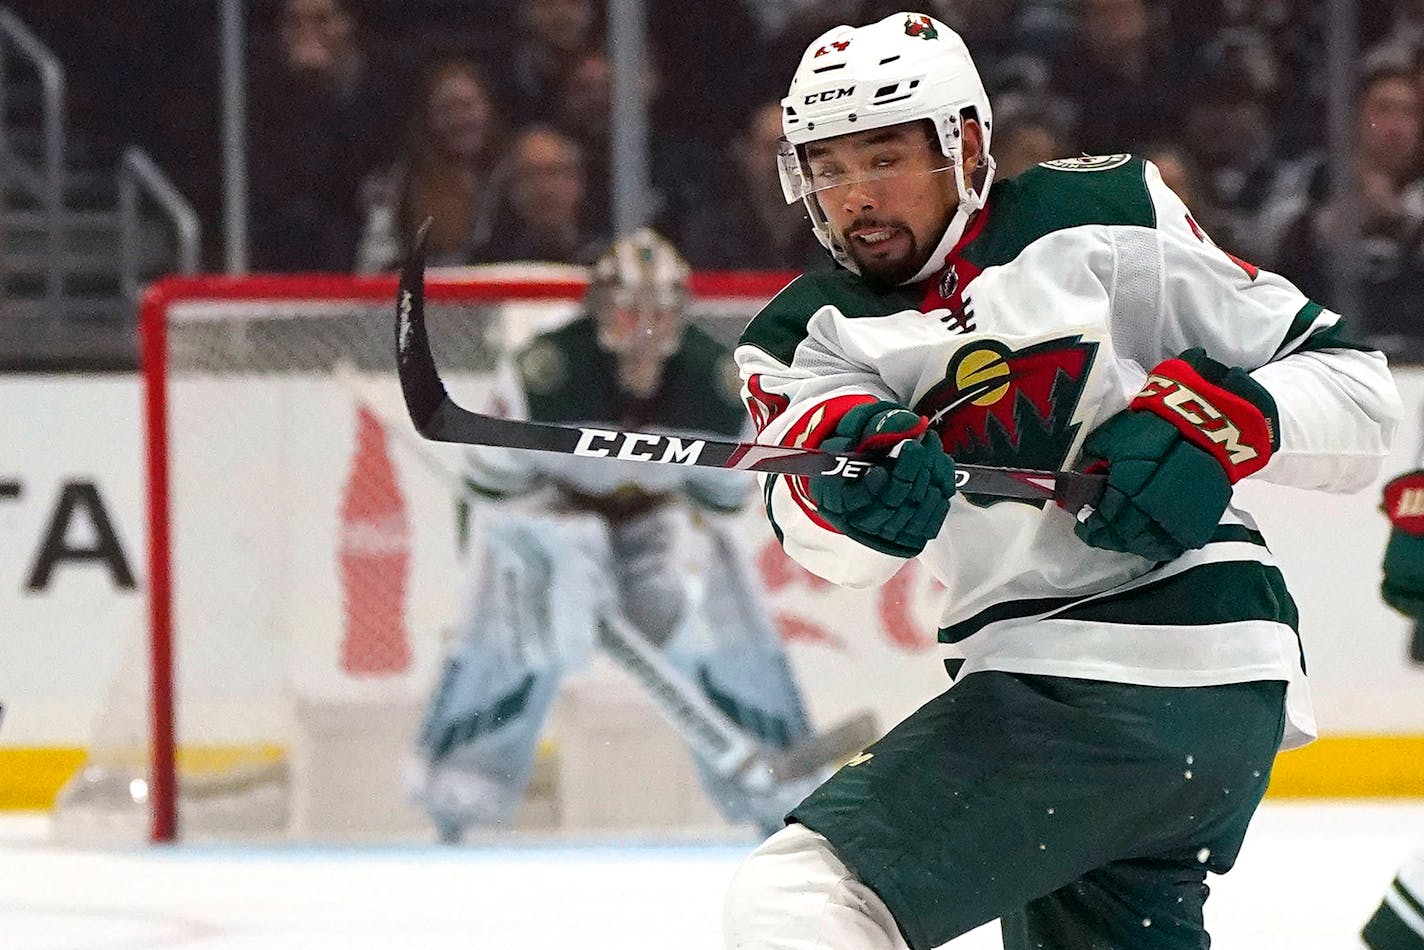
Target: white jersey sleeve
{"type": "Point", "coordinates": [796, 400]}
{"type": "Point", "coordinates": [1174, 289]}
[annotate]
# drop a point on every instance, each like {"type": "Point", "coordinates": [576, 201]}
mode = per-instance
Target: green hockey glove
{"type": "Point", "coordinates": [1403, 586]}
{"type": "Point", "coordinates": [1196, 428]}
{"type": "Point", "coordinates": [898, 504]}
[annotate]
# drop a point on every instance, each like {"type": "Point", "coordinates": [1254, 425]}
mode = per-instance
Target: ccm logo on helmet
{"type": "Point", "coordinates": [829, 95]}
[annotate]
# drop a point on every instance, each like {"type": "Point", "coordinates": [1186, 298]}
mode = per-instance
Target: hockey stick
{"type": "Point", "coordinates": [437, 417]}
{"type": "Point", "coordinates": [720, 742]}
{"type": "Point", "coordinates": [728, 750]}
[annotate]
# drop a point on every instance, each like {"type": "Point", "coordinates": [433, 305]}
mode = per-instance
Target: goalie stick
{"type": "Point", "coordinates": [727, 749]}
{"type": "Point", "coordinates": [437, 417]}
{"type": "Point", "coordinates": [720, 742]}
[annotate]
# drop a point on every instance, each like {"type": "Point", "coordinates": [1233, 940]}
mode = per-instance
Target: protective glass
{"type": "Point", "coordinates": [801, 177]}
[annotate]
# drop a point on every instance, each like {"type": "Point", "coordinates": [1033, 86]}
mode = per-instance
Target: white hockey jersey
{"type": "Point", "coordinates": [1077, 278]}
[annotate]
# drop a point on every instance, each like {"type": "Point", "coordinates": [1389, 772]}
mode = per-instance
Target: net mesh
{"type": "Point", "coordinates": [313, 552]}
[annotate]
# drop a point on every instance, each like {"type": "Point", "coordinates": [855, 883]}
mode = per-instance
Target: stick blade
{"type": "Point", "coordinates": [415, 364]}
{"type": "Point", "coordinates": [826, 749]}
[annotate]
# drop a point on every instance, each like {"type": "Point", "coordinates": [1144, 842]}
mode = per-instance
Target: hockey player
{"type": "Point", "coordinates": [1127, 675]}
{"type": "Point", "coordinates": [1398, 924]}
{"type": "Point", "coordinates": [577, 539]}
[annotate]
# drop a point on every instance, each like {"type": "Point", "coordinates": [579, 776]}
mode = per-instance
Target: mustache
{"type": "Point", "coordinates": [866, 223]}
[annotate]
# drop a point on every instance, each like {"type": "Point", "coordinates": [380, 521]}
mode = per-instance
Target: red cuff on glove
{"type": "Point", "coordinates": [818, 423]}
{"type": "Point", "coordinates": [885, 441]}
{"type": "Point", "coordinates": [1229, 426]}
{"type": "Point", "coordinates": [1404, 502]}
{"type": "Point", "coordinates": [808, 432]}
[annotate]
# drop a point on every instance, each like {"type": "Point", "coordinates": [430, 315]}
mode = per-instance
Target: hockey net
{"type": "Point", "coordinates": [304, 551]}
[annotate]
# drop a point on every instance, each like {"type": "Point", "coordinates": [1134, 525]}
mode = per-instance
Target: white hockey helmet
{"type": "Point", "coordinates": [904, 68]}
{"type": "Point", "coordinates": [638, 293]}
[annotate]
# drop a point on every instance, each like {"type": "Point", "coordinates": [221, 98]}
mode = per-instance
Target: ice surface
{"type": "Point", "coordinates": [1307, 878]}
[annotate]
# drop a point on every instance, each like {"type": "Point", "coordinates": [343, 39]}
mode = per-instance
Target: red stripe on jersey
{"type": "Point", "coordinates": [808, 432]}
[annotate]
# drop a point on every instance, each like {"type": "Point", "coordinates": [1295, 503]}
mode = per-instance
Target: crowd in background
{"type": "Point", "coordinates": [500, 128]}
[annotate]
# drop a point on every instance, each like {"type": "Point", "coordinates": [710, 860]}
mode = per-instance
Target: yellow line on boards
{"type": "Point", "coordinates": [1331, 767]}
{"type": "Point", "coordinates": [1351, 767]}
{"type": "Point", "coordinates": [31, 777]}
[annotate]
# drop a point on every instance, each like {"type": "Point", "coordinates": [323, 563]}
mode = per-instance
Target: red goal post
{"type": "Point", "coordinates": [262, 322]}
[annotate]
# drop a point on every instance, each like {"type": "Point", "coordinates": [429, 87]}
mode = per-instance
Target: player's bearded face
{"type": "Point", "coordinates": [888, 196]}
{"type": "Point", "coordinates": [884, 248]}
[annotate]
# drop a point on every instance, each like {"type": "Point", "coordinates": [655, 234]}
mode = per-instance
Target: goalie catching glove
{"type": "Point", "coordinates": [1196, 428]}
{"type": "Point", "coordinates": [898, 504]}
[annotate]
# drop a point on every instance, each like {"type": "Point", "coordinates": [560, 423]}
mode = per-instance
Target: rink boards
{"type": "Point", "coordinates": [72, 519]}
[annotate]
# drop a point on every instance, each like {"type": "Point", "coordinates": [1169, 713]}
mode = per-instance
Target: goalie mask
{"type": "Point", "coordinates": [638, 295]}
{"type": "Point", "coordinates": [906, 68]}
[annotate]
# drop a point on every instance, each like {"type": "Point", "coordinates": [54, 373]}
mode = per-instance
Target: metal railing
{"type": "Point", "coordinates": [16, 36]}
{"type": "Point", "coordinates": [139, 174]}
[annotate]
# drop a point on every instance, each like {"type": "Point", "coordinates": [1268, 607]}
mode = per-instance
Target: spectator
{"type": "Point", "coordinates": [1228, 132]}
{"type": "Point", "coordinates": [1044, 27]}
{"type": "Point", "coordinates": [550, 35]}
{"type": "Point", "coordinates": [1025, 136]}
{"type": "Point", "coordinates": [585, 114]}
{"type": "Point", "coordinates": [746, 223]}
{"type": "Point", "coordinates": [1195, 24]}
{"type": "Point", "coordinates": [1115, 74]}
{"type": "Point", "coordinates": [711, 47]}
{"type": "Point", "coordinates": [1367, 231]}
{"type": "Point", "coordinates": [1179, 173]}
{"type": "Point", "coordinates": [1405, 28]}
{"type": "Point", "coordinates": [991, 28]}
{"type": "Point", "coordinates": [538, 211]}
{"type": "Point", "coordinates": [1415, 57]}
{"type": "Point", "coordinates": [444, 174]}
{"type": "Point", "coordinates": [321, 121]}
{"type": "Point", "coordinates": [782, 50]}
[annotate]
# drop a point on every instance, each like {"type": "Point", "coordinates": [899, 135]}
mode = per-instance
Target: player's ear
{"type": "Point", "coordinates": [973, 149]}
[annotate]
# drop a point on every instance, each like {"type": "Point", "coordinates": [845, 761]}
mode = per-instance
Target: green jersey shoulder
{"type": "Point", "coordinates": [781, 325]}
{"type": "Point", "coordinates": [1106, 190]}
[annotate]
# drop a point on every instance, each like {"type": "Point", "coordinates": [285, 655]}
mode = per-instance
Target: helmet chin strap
{"type": "Point", "coordinates": [952, 234]}
{"type": "Point", "coordinates": [970, 201]}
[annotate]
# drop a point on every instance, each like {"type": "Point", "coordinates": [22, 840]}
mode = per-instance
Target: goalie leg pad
{"type": "Point", "coordinates": [476, 747]}
{"type": "Point", "coordinates": [651, 569]}
{"type": "Point", "coordinates": [529, 619]}
{"type": "Point", "coordinates": [728, 646]}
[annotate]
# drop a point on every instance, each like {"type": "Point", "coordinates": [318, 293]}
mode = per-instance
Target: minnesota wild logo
{"type": "Point", "coordinates": [917, 24]}
{"type": "Point", "coordinates": [1089, 163]}
{"type": "Point", "coordinates": [1001, 406]}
